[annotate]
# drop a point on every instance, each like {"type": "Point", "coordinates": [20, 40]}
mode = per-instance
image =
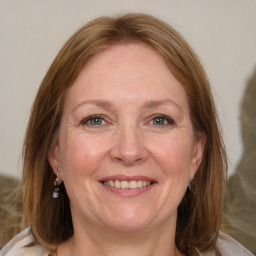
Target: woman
{"type": "Point", "coordinates": [122, 154]}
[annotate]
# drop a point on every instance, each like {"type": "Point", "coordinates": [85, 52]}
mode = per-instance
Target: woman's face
{"type": "Point", "coordinates": [126, 148]}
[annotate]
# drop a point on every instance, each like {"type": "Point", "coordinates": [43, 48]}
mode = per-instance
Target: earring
{"type": "Point", "coordinates": [56, 191]}
{"type": "Point", "coordinates": [189, 184]}
{"type": "Point", "coordinates": [194, 189]}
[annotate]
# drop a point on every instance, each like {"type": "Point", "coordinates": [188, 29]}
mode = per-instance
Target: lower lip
{"type": "Point", "coordinates": [129, 192]}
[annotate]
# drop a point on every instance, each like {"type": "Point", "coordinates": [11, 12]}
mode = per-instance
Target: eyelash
{"type": "Point", "coordinates": [91, 118]}
{"type": "Point", "coordinates": [169, 120]}
{"type": "Point", "coordinates": [160, 118]}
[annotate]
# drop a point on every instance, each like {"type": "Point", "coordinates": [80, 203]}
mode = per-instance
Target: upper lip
{"type": "Point", "coordinates": [127, 178]}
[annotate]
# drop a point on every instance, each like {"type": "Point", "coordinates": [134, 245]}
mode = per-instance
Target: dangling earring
{"type": "Point", "coordinates": [56, 191]}
{"type": "Point", "coordinates": [189, 184]}
{"type": "Point", "coordinates": [194, 189]}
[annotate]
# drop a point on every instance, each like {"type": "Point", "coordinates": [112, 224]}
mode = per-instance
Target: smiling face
{"type": "Point", "coordinates": [126, 147]}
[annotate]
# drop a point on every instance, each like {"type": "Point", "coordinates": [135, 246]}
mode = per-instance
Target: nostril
{"type": "Point", "coordinates": [128, 149]}
{"type": "Point", "coordinates": [129, 161]}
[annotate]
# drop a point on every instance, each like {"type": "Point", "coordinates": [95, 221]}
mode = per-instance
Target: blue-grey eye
{"type": "Point", "coordinates": [159, 121]}
{"type": "Point", "coordinates": [95, 121]}
{"type": "Point", "coordinates": [162, 120]}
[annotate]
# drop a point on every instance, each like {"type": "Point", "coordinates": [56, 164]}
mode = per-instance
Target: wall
{"type": "Point", "coordinates": [222, 32]}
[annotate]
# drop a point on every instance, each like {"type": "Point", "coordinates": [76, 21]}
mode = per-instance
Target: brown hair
{"type": "Point", "coordinates": [200, 212]}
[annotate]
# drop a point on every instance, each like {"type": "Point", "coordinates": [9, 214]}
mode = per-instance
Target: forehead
{"type": "Point", "coordinates": [127, 71]}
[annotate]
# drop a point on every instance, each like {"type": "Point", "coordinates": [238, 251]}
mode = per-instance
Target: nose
{"type": "Point", "coordinates": [129, 148]}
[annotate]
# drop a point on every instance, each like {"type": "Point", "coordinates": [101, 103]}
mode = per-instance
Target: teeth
{"type": "Point", "coordinates": [117, 184]}
{"type": "Point", "coordinates": [133, 184]}
{"type": "Point", "coordinates": [123, 184]}
{"type": "Point", "coordinates": [111, 183]}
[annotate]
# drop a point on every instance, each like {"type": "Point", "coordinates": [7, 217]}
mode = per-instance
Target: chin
{"type": "Point", "coordinates": [131, 225]}
{"type": "Point", "coordinates": [130, 219]}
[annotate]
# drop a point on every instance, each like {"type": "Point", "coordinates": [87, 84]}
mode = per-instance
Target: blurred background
{"type": "Point", "coordinates": [223, 33]}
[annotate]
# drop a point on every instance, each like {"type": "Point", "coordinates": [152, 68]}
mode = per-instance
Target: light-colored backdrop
{"type": "Point", "coordinates": [222, 32]}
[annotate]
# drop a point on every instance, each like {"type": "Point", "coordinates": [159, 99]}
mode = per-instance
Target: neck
{"type": "Point", "coordinates": [92, 241]}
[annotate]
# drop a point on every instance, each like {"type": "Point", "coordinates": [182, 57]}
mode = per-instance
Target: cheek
{"type": "Point", "coordinates": [173, 154]}
{"type": "Point", "coordinates": [81, 155]}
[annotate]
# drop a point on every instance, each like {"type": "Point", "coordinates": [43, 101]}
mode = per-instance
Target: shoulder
{"type": "Point", "coordinates": [18, 246]}
{"type": "Point", "coordinates": [227, 246]}
{"type": "Point", "coordinates": [230, 247]}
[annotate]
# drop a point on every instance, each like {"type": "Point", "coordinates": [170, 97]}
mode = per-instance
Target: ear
{"type": "Point", "coordinates": [54, 160]}
{"type": "Point", "coordinates": [197, 153]}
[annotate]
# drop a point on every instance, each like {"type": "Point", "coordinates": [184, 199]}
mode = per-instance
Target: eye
{"type": "Point", "coordinates": [162, 120]}
{"type": "Point", "coordinates": [94, 120]}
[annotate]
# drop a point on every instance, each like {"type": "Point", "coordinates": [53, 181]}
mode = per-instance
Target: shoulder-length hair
{"type": "Point", "coordinates": [200, 212]}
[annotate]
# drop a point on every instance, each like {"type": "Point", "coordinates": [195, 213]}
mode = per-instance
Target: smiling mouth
{"type": "Point", "coordinates": [123, 184]}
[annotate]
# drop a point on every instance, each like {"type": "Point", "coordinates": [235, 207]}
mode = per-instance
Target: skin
{"type": "Point", "coordinates": [128, 86]}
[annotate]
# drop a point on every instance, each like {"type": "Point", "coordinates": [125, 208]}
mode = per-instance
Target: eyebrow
{"type": "Point", "coordinates": [108, 105]}
{"type": "Point", "coordinates": [100, 103]}
{"type": "Point", "coordinates": [157, 103]}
